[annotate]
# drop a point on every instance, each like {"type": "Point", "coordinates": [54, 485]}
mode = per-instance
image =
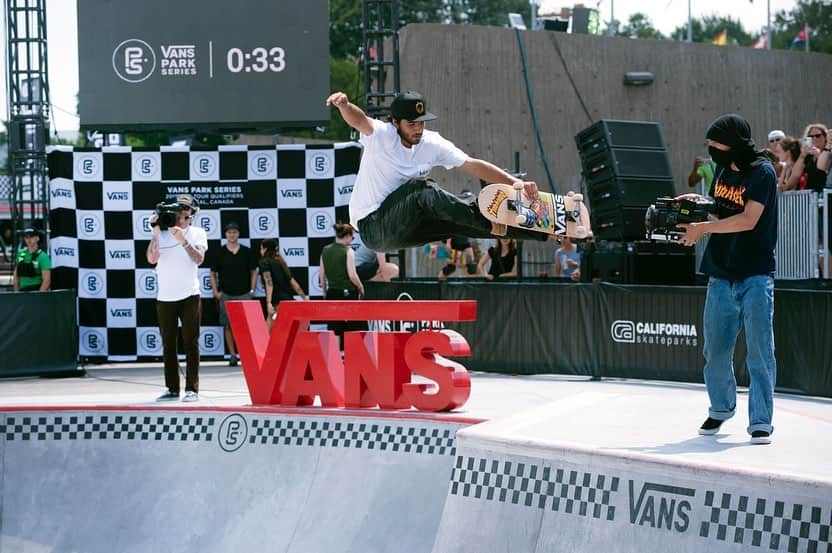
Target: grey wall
{"type": "Point", "coordinates": [472, 78]}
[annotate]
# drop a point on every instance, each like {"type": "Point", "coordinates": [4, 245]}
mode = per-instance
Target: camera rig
{"type": "Point", "coordinates": [662, 219]}
{"type": "Point", "coordinates": [167, 215]}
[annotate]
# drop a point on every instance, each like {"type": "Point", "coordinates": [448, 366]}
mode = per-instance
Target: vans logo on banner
{"type": "Point", "coordinates": [294, 252]}
{"type": "Point", "coordinates": [664, 334]}
{"type": "Point", "coordinates": [121, 254]}
{"type": "Point", "coordinates": [346, 189]}
{"type": "Point", "coordinates": [118, 196]}
{"type": "Point", "coordinates": [661, 506]}
{"type": "Point", "coordinates": [62, 193]}
{"type": "Point", "coordinates": [64, 251]}
{"type": "Point", "coordinates": [121, 313]}
{"type": "Point", "coordinates": [134, 60]}
{"type": "Point", "coordinates": [292, 193]}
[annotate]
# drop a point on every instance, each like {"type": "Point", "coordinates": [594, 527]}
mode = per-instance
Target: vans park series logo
{"type": "Point", "coordinates": [134, 60]}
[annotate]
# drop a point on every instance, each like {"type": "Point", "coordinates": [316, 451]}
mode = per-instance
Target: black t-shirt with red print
{"type": "Point", "coordinates": [739, 255]}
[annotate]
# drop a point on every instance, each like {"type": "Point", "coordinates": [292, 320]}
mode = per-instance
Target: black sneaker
{"type": "Point", "coordinates": [760, 437]}
{"type": "Point", "coordinates": [710, 426]}
{"type": "Point", "coordinates": [168, 396]}
{"type": "Point", "coordinates": [232, 361]}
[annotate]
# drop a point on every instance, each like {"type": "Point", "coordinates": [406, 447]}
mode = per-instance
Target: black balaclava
{"type": "Point", "coordinates": [734, 131]}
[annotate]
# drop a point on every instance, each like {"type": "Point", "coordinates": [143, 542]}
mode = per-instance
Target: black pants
{"type": "Point", "coordinates": [169, 313]}
{"type": "Point", "coordinates": [339, 327]}
{"type": "Point", "coordinates": [419, 212]}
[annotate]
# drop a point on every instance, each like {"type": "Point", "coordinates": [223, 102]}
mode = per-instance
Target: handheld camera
{"type": "Point", "coordinates": [167, 215]}
{"type": "Point", "coordinates": [662, 219]}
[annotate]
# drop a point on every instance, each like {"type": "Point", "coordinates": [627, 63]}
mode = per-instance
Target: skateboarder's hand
{"type": "Point", "coordinates": [530, 189]}
{"type": "Point", "coordinates": [337, 99]}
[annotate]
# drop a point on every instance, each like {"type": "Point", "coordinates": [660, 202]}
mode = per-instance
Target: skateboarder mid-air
{"type": "Point", "coordinates": [394, 205]}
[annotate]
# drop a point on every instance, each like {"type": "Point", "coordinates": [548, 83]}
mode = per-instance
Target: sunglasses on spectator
{"type": "Point", "coordinates": [775, 140]}
{"type": "Point", "coordinates": [815, 135]}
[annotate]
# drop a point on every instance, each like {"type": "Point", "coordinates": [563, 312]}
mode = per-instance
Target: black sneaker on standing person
{"type": "Point", "coordinates": [760, 437]}
{"type": "Point", "coordinates": [710, 426]}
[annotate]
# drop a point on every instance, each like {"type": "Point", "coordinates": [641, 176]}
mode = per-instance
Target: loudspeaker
{"type": "Point", "coordinates": [619, 223]}
{"type": "Point", "coordinates": [630, 192]}
{"type": "Point", "coordinates": [612, 163]}
{"type": "Point", "coordinates": [607, 133]}
{"type": "Point", "coordinates": [639, 263]}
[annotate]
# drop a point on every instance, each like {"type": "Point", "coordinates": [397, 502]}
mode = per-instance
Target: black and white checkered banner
{"type": "Point", "coordinates": [101, 201]}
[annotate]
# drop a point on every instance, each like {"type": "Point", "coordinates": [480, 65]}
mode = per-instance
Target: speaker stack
{"type": "Point", "coordinates": [625, 167]}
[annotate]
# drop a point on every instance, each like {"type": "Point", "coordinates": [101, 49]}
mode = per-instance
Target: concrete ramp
{"type": "Point", "coordinates": [138, 480]}
{"type": "Point", "coordinates": [624, 473]}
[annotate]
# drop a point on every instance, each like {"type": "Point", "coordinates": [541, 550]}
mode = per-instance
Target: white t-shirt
{"type": "Point", "coordinates": [176, 273]}
{"type": "Point", "coordinates": [386, 164]}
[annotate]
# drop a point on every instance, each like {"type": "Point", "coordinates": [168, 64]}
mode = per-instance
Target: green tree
{"type": "Point", "coordinates": [345, 75]}
{"type": "Point", "coordinates": [640, 26]}
{"type": "Point", "coordinates": [488, 12]}
{"type": "Point", "coordinates": [344, 28]}
{"type": "Point", "coordinates": [787, 24]}
{"type": "Point", "coordinates": [708, 27]}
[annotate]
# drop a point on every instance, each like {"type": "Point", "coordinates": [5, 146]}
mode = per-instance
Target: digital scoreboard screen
{"type": "Point", "coordinates": [235, 64]}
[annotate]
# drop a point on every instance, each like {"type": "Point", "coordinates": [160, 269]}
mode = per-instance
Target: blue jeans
{"type": "Point", "coordinates": [727, 306]}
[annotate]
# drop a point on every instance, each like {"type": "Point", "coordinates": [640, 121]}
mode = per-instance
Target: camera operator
{"type": "Point", "coordinates": [177, 249]}
{"type": "Point", "coordinates": [739, 261]}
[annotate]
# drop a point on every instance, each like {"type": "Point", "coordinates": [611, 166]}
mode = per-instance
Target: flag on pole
{"type": "Point", "coordinates": [760, 43]}
{"type": "Point", "coordinates": [721, 39]}
{"type": "Point", "coordinates": [801, 37]}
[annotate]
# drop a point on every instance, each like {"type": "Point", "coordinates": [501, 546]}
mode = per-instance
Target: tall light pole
{"type": "Point", "coordinates": [612, 17]}
{"type": "Point", "coordinates": [690, 25]}
{"type": "Point", "coordinates": [768, 25]}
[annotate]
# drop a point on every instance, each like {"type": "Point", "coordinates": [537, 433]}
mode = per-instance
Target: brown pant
{"type": "Point", "coordinates": [169, 314]}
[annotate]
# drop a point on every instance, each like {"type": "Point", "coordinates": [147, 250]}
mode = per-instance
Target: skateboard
{"type": "Point", "coordinates": [551, 213]}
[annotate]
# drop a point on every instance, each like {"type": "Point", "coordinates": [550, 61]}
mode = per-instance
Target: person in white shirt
{"type": "Point", "coordinates": [177, 253]}
{"type": "Point", "coordinates": [394, 205]}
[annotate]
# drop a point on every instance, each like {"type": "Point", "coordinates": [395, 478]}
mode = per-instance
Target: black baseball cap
{"type": "Point", "coordinates": [29, 231]}
{"type": "Point", "coordinates": [412, 106]}
{"type": "Point", "coordinates": [231, 225]}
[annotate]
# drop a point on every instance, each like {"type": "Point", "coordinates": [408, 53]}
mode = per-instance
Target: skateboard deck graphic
{"type": "Point", "coordinates": [561, 215]}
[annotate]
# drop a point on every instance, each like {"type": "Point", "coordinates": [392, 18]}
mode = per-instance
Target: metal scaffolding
{"type": "Point", "coordinates": [380, 54]}
{"type": "Point", "coordinates": [28, 110]}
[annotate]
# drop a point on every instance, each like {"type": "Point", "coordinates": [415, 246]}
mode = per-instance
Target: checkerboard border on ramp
{"type": "Point", "coordinates": [543, 487]}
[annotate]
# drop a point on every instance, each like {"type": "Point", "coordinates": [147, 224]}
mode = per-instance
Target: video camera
{"type": "Point", "coordinates": [662, 219]}
{"type": "Point", "coordinates": [167, 215]}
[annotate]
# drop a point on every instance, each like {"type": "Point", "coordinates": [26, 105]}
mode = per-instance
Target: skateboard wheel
{"type": "Point", "coordinates": [578, 197]}
{"type": "Point", "coordinates": [520, 219]}
{"type": "Point", "coordinates": [518, 185]}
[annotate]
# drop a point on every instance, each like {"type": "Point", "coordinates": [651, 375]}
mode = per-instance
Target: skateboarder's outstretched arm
{"type": "Point", "coordinates": [490, 173]}
{"type": "Point", "coordinates": [352, 114]}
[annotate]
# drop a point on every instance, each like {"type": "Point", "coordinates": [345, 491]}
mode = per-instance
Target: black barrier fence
{"type": "Point", "coordinates": [628, 331]}
{"type": "Point", "coordinates": [38, 334]}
